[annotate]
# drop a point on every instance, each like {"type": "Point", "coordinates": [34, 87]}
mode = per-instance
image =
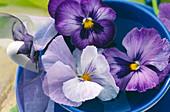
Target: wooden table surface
{"type": "Point", "coordinates": [7, 82]}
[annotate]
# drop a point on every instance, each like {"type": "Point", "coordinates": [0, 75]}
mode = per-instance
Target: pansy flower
{"type": "Point", "coordinates": [89, 22]}
{"type": "Point", "coordinates": [71, 83]}
{"type": "Point", "coordinates": [164, 14]}
{"type": "Point", "coordinates": [145, 64]}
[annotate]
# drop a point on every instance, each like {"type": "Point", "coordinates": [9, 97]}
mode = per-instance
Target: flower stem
{"type": "Point", "coordinates": [155, 7]}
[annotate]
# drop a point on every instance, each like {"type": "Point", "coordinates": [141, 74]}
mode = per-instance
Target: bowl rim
{"type": "Point", "coordinates": [148, 105]}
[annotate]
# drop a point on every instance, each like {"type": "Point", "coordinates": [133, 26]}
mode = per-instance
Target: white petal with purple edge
{"type": "Point", "coordinates": [58, 51]}
{"type": "Point", "coordinates": [77, 55]}
{"type": "Point", "coordinates": [87, 56]}
{"type": "Point", "coordinates": [78, 90]}
{"type": "Point", "coordinates": [102, 76]}
{"type": "Point", "coordinates": [143, 80]}
{"type": "Point", "coordinates": [53, 83]}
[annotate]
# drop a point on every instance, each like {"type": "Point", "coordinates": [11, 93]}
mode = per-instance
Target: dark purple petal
{"type": "Point", "coordinates": [162, 59]}
{"type": "Point", "coordinates": [143, 44]}
{"type": "Point", "coordinates": [67, 14]}
{"type": "Point", "coordinates": [53, 4]}
{"type": "Point", "coordinates": [122, 82]}
{"type": "Point", "coordinates": [99, 12]}
{"type": "Point", "coordinates": [105, 13]}
{"type": "Point", "coordinates": [58, 51]}
{"type": "Point", "coordinates": [142, 80]}
{"type": "Point", "coordinates": [100, 35]}
{"type": "Point", "coordinates": [164, 14]}
{"type": "Point", "coordinates": [90, 6]}
{"type": "Point", "coordinates": [53, 83]}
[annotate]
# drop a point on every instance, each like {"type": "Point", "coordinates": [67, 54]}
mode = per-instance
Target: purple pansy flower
{"type": "Point", "coordinates": [72, 82]}
{"type": "Point", "coordinates": [145, 64]}
{"type": "Point", "coordinates": [89, 22]}
{"type": "Point", "coordinates": [164, 14]}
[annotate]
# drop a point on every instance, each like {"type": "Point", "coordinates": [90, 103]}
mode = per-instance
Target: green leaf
{"type": "Point", "coordinates": [40, 3]}
{"type": "Point", "coordinates": [167, 1]}
{"type": "Point", "coordinates": [26, 3]}
{"type": "Point", "coordinates": [140, 1]}
{"type": "Point", "coordinates": [14, 109]}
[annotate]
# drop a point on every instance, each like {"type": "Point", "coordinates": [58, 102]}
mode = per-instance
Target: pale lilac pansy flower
{"type": "Point", "coordinates": [72, 82]}
{"type": "Point", "coordinates": [146, 63]}
{"type": "Point", "coordinates": [88, 22]}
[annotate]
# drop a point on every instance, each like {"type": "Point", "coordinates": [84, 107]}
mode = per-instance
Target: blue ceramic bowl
{"type": "Point", "coordinates": [129, 15]}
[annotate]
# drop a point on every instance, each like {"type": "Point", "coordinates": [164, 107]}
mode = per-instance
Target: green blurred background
{"type": "Point", "coordinates": [34, 7]}
{"type": "Point", "coordinates": [7, 67]}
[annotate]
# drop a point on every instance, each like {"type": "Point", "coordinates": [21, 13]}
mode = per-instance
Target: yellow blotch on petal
{"type": "Point", "coordinates": [88, 23]}
{"type": "Point", "coordinates": [86, 77]}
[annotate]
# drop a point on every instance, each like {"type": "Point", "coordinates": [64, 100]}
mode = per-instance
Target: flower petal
{"type": "Point", "coordinates": [44, 35]}
{"type": "Point", "coordinates": [114, 52]}
{"type": "Point", "coordinates": [77, 56]}
{"type": "Point", "coordinates": [53, 83]}
{"type": "Point", "coordinates": [142, 45]}
{"type": "Point", "coordinates": [118, 61]}
{"type": "Point", "coordinates": [58, 51]}
{"type": "Point", "coordinates": [100, 73]}
{"type": "Point", "coordinates": [87, 56]}
{"type": "Point", "coordinates": [68, 17]}
{"type": "Point", "coordinates": [91, 5]}
{"type": "Point", "coordinates": [143, 80]}
{"type": "Point", "coordinates": [100, 35]}
{"type": "Point", "coordinates": [105, 13]}
{"type": "Point", "coordinates": [164, 73]}
{"type": "Point", "coordinates": [53, 4]}
{"type": "Point", "coordinates": [119, 66]}
{"type": "Point", "coordinates": [162, 59]}
{"type": "Point", "coordinates": [78, 90]}
{"type": "Point", "coordinates": [164, 11]}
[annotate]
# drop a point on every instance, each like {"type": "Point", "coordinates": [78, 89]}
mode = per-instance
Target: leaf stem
{"type": "Point", "coordinates": [155, 7]}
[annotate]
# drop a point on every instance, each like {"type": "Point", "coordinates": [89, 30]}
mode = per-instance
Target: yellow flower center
{"type": "Point", "coordinates": [134, 66]}
{"type": "Point", "coordinates": [86, 77]}
{"type": "Point", "coordinates": [88, 23]}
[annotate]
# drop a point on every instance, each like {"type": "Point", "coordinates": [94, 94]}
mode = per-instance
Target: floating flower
{"type": "Point", "coordinates": [66, 85]}
{"type": "Point", "coordinates": [144, 65]}
{"type": "Point", "coordinates": [89, 22]}
{"type": "Point", "coordinates": [164, 14]}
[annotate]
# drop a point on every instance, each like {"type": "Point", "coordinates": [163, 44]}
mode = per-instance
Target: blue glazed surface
{"type": "Point", "coordinates": [129, 15]}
